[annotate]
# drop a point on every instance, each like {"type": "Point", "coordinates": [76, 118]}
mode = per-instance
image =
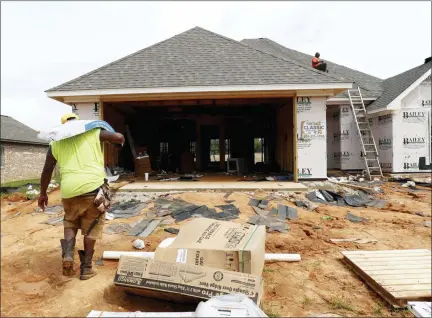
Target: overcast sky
{"type": "Point", "coordinates": [44, 44]}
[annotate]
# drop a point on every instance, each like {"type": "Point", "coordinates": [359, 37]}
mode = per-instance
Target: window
{"type": "Point", "coordinates": [163, 147]}
{"type": "Point", "coordinates": [2, 157]}
{"type": "Point", "coordinates": [259, 146]}
{"type": "Point", "coordinates": [227, 149]}
{"type": "Point", "coordinates": [214, 150]}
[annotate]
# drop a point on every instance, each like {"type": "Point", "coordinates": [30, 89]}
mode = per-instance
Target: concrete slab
{"type": "Point", "coordinates": [157, 186]}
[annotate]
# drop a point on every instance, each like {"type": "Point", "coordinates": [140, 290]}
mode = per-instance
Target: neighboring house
{"type": "Point", "coordinates": [402, 142]}
{"type": "Point", "coordinates": [22, 153]}
{"type": "Point", "coordinates": [199, 91]}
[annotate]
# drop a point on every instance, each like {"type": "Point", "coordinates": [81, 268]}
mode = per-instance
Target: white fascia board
{"type": "Point", "coordinates": [199, 89]}
{"type": "Point", "coordinates": [341, 100]}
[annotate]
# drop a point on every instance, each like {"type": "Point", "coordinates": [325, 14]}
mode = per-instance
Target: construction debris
{"type": "Point", "coordinates": [354, 218]}
{"type": "Point", "coordinates": [360, 199]}
{"type": "Point", "coordinates": [354, 240]}
{"type": "Point", "coordinates": [96, 314]}
{"type": "Point", "coordinates": [138, 244]}
{"type": "Point", "coordinates": [127, 209]}
{"type": "Point", "coordinates": [172, 230]}
{"type": "Point", "coordinates": [55, 221]}
{"type": "Point", "coordinates": [420, 309]}
{"type": "Point", "coordinates": [117, 228]}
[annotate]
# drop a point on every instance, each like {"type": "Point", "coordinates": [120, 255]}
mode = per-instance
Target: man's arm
{"type": "Point", "coordinates": [47, 171]}
{"type": "Point", "coordinates": [114, 138]}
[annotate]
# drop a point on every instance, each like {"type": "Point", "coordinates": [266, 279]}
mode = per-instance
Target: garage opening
{"type": "Point", "coordinates": [252, 135]}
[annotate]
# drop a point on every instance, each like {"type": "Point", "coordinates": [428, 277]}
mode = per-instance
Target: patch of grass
{"type": "Point", "coordinates": [272, 314]}
{"type": "Point", "coordinates": [378, 310]}
{"type": "Point", "coordinates": [338, 303]}
{"type": "Point", "coordinates": [268, 270]}
{"type": "Point", "coordinates": [20, 183]}
{"type": "Point", "coordinates": [306, 301]}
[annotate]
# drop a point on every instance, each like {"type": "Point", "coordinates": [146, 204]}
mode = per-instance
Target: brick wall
{"type": "Point", "coordinates": [22, 161]}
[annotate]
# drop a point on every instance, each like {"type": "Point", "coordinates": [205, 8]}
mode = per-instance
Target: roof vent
{"type": "Point", "coordinates": [427, 60]}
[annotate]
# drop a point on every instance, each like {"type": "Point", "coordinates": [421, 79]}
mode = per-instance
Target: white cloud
{"type": "Point", "coordinates": [44, 44]}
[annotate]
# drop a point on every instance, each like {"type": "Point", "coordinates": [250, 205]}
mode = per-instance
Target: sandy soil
{"type": "Point", "coordinates": [32, 284]}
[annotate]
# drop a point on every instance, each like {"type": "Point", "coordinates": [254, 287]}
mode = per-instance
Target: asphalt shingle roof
{"type": "Point", "coordinates": [197, 57]}
{"type": "Point", "coordinates": [14, 131]}
{"type": "Point", "coordinates": [396, 85]}
{"type": "Point", "coordinates": [370, 85]}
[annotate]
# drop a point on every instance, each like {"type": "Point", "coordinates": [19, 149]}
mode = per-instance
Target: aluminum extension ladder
{"type": "Point", "coordinates": [370, 151]}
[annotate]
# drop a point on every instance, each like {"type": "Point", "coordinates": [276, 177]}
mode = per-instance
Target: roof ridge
{"type": "Point", "coordinates": [117, 61]}
{"type": "Point", "coordinates": [277, 57]}
{"type": "Point", "coordinates": [280, 45]}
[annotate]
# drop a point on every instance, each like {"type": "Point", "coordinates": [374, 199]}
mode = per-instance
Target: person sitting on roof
{"type": "Point", "coordinates": [319, 64]}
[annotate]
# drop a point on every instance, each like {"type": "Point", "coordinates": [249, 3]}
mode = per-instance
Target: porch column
{"type": "Point", "coordinates": [198, 144]}
{"type": "Point", "coordinates": [295, 138]}
{"type": "Point", "coordinates": [222, 144]}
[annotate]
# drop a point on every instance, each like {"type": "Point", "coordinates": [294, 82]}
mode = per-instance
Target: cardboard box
{"type": "Point", "coordinates": [142, 165]}
{"type": "Point", "coordinates": [220, 244]}
{"type": "Point", "coordinates": [182, 282]}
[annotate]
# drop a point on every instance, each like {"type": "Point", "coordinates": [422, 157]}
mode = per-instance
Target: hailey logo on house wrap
{"type": "Point", "coordinates": [426, 103]}
{"type": "Point", "coordinates": [96, 109]}
{"type": "Point", "coordinates": [384, 143]}
{"type": "Point", "coordinates": [384, 119]}
{"type": "Point", "coordinates": [74, 109]}
{"type": "Point", "coordinates": [345, 111]}
{"type": "Point", "coordinates": [305, 172]}
{"type": "Point", "coordinates": [304, 104]}
{"type": "Point", "coordinates": [410, 165]}
{"type": "Point", "coordinates": [413, 117]}
{"type": "Point", "coordinates": [342, 155]}
{"type": "Point", "coordinates": [414, 142]}
{"type": "Point", "coordinates": [342, 134]}
{"type": "Point", "coordinates": [386, 165]}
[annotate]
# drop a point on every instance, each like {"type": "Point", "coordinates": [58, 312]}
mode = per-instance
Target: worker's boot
{"type": "Point", "coordinates": [87, 270]}
{"type": "Point", "coordinates": [68, 256]}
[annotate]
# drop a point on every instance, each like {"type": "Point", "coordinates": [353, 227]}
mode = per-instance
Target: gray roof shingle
{"type": "Point", "coordinates": [14, 131]}
{"type": "Point", "coordinates": [396, 85]}
{"type": "Point", "coordinates": [370, 85]}
{"type": "Point", "coordinates": [197, 57]}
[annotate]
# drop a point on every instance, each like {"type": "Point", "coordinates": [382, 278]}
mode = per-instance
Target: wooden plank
{"type": "Point", "coordinates": [375, 267]}
{"type": "Point", "coordinates": [349, 253]}
{"type": "Point", "coordinates": [391, 256]}
{"type": "Point", "coordinates": [402, 260]}
{"type": "Point", "coordinates": [413, 294]}
{"type": "Point", "coordinates": [401, 281]}
{"type": "Point", "coordinates": [397, 276]}
{"type": "Point", "coordinates": [398, 271]}
{"type": "Point", "coordinates": [400, 288]}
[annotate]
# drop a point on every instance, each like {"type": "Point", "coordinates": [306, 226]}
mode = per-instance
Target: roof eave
{"type": "Point", "coordinates": [25, 142]}
{"type": "Point", "coordinates": [160, 92]}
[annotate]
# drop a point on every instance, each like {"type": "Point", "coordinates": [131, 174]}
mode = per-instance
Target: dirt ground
{"type": "Point", "coordinates": [32, 283]}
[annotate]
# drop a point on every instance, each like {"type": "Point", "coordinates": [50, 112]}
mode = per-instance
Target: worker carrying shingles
{"type": "Point", "coordinates": [319, 64]}
{"type": "Point", "coordinates": [84, 190]}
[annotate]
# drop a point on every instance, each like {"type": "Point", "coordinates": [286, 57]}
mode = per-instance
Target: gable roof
{"type": "Point", "coordinates": [14, 131]}
{"type": "Point", "coordinates": [396, 85]}
{"type": "Point", "coordinates": [370, 85]}
{"type": "Point", "coordinates": [197, 57]}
